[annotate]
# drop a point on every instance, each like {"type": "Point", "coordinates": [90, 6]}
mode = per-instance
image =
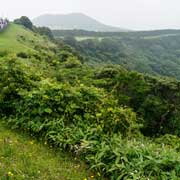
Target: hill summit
{"type": "Point", "coordinates": [73, 21]}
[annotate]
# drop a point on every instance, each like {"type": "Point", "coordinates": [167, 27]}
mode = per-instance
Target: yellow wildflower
{"type": "Point", "coordinates": [10, 173]}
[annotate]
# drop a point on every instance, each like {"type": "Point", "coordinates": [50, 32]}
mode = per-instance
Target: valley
{"type": "Point", "coordinates": [153, 52]}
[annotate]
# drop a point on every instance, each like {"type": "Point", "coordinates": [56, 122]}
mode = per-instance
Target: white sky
{"type": "Point", "coordinates": [131, 14]}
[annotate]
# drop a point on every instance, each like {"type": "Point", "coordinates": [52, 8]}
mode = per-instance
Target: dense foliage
{"type": "Point", "coordinates": [25, 21]}
{"type": "Point", "coordinates": [156, 52]}
{"type": "Point", "coordinates": [155, 100]}
{"type": "Point", "coordinates": [84, 33]}
{"type": "Point", "coordinates": [124, 124]}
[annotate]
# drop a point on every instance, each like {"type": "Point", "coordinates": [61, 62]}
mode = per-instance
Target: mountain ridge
{"type": "Point", "coordinates": [73, 21]}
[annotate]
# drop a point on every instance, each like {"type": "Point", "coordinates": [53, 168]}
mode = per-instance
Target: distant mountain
{"type": "Point", "coordinates": [73, 21]}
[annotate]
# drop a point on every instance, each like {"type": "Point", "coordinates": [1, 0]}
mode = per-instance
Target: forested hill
{"type": "Point", "coordinates": [84, 33]}
{"type": "Point", "coordinates": [123, 124]}
{"type": "Point", "coordinates": [154, 52]}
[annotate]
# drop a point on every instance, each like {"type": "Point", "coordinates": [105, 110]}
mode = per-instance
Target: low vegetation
{"type": "Point", "coordinates": [17, 39]}
{"type": "Point", "coordinates": [22, 157]}
{"type": "Point", "coordinates": [123, 124]}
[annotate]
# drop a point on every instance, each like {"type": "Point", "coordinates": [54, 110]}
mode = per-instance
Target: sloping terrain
{"type": "Point", "coordinates": [73, 21]}
{"type": "Point", "coordinates": [123, 124]}
{"type": "Point", "coordinates": [22, 157]}
{"type": "Point", "coordinates": [16, 38]}
{"type": "Point", "coordinates": [156, 52]}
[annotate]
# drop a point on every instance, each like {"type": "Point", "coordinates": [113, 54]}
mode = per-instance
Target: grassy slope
{"type": "Point", "coordinates": [24, 158]}
{"type": "Point", "coordinates": [16, 38]}
{"type": "Point", "coordinates": [20, 156]}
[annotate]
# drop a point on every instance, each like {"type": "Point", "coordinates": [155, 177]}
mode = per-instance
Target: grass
{"type": "Point", "coordinates": [16, 38]}
{"type": "Point", "coordinates": [24, 158]}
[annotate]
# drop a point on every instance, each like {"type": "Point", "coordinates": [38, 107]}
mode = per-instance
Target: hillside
{"type": "Point", "coordinates": [23, 157]}
{"type": "Point", "coordinates": [17, 38]}
{"type": "Point", "coordinates": [153, 52]}
{"type": "Point", "coordinates": [122, 124]}
{"type": "Point", "coordinates": [73, 21]}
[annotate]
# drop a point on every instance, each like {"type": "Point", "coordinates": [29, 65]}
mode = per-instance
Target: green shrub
{"type": "Point", "coordinates": [72, 62]}
{"type": "Point", "coordinates": [98, 123]}
{"type": "Point", "coordinates": [3, 53]}
{"type": "Point", "coordinates": [14, 76]}
{"type": "Point", "coordinates": [22, 55]}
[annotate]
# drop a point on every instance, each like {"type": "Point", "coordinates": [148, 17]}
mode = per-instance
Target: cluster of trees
{"type": "Point", "coordinates": [81, 33]}
{"type": "Point", "coordinates": [26, 22]}
{"type": "Point", "coordinates": [157, 55]}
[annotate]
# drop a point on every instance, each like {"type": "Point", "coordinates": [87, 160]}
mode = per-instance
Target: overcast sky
{"type": "Point", "coordinates": [131, 14]}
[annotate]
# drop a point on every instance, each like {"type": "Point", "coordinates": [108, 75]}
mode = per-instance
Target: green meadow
{"type": "Point", "coordinates": [23, 157]}
{"type": "Point", "coordinates": [16, 38]}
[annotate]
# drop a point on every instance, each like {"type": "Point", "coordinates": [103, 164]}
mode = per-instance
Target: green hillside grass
{"type": "Point", "coordinates": [16, 38]}
{"type": "Point", "coordinates": [22, 157]}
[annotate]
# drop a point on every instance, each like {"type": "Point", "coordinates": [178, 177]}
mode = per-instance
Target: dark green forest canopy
{"type": "Point", "coordinates": [154, 52]}
{"type": "Point", "coordinates": [64, 33]}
